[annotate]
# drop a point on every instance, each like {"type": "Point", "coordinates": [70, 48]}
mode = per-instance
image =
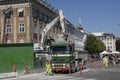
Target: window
{"type": "Point", "coordinates": [8, 29]}
{"type": "Point", "coordinates": [110, 42]}
{"type": "Point", "coordinates": [45, 18]}
{"type": "Point", "coordinates": [40, 28]}
{"type": "Point", "coordinates": [21, 28]}
{"type": "Point", "coordinates": [111, 47]}
{"type": "Point", "coordinates": [40, 16]}
{"type": "Point", "coordinates": [8, 14]}
{"type": "Point", "coordinates": [36, 14]}
{"type": "Point", "coordinates": [35, 27]}
{"type": "Point", "coordinates": [49, 19]}
{"type": "Point", "coordinates": [21, 12]}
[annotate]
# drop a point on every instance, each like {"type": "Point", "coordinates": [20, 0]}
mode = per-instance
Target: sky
{"type": "Point", "coordinates": [96, 15]}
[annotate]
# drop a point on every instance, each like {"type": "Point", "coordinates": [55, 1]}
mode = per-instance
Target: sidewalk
{"type": "Point", "coordinates": [36, 76]}
{"type": "Point", "coordinates": [8, 75]}
{"type": "Point", "coordinates": [16, 74]}
{"type": "Point", "coordinates": [42, 75]}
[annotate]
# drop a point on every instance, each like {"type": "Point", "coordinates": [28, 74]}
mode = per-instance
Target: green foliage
{"type": "Point", "coordinates": [92, 45]}
{"type": "Point", "coordinates": [99, 46]}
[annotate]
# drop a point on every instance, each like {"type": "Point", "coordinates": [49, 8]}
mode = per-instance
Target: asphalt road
{"type": "Point", "coordinates": [96, 73]}
{"type": "Point", "coordinates": [101, 74]}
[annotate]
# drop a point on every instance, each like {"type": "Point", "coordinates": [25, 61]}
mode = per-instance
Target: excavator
{"type": "Point", "coordinates": [41, 50]}
{"type": "Point", "coordinates": [62, 52]}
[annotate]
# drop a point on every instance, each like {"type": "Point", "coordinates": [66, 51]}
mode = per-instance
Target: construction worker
{"type": "Point", "coordinates": [48, 67]}
{"type": "Point", "coordinates": [106, 61]}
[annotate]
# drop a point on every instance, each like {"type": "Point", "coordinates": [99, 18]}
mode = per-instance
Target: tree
{"type": "Point", "coordinates": [99, 46]}
{"type": "Point", "coordinates": [93, 46]}
{"type": "Point", "coordinates": [89, 44]}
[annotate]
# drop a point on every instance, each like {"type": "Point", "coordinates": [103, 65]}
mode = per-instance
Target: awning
{"type": "Point", "coordinates": [115, 52]}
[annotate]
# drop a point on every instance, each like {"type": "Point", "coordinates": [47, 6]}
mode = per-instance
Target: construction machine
{"type": "Point", "coordinates": [64, 51]}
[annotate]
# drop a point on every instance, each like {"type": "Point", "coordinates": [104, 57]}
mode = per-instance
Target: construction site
{"type": "Point", "coordinates": [24, 23]}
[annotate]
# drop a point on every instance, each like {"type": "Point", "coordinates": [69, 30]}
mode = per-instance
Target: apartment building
{"type": "Point", "coordinates": [108, 39]}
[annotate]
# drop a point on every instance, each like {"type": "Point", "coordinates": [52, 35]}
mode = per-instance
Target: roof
{"type": "Point", "coordinates": [98, 34]}
{"type": "Point", "coordinates": [103, 34]}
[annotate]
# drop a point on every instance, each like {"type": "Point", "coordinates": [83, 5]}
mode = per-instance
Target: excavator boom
{"type": "Point", "coordinates": [60, 18]}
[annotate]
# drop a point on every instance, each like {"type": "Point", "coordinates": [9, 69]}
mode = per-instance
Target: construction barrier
{"type": "Point", "coordinates": [101, 64]}
{"type": "Point", "coordinates": [81, 69]}
{"type": "Point", "coordinates": [69, 70]}
{"type": "Point", "coordinates": [14, 68]}
{"type": "Point", "coordinates": [91, 66]}
{"type": "Point", "coordinates": [26, 69]}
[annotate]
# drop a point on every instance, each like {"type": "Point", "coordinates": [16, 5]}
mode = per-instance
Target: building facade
{"type": "Point", "coordinates": [22, 21]}
{"type": "Point", "coordinates": [108, 39]}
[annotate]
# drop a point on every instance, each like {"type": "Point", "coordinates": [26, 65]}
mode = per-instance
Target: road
{"type": "Point", "coordinates": [101, 74]}
{"type": "Point", "coordinates": [97, 73]}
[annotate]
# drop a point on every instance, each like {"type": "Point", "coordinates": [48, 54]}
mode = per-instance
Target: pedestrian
{"type": "Point", "coordinates": [114, 61]}
{"type": "Point", "coordinates": [103, 60]}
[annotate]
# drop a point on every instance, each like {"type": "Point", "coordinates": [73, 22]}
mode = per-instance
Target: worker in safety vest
{"type": "Point", "coordinates": [48, 67]}
{"type": "Point", "coordinates": [106, 61]}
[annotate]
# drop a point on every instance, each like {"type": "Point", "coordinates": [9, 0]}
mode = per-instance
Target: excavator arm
{"type": "Point", "coordinates": [46, 30]}
{"type": "Point", "coordinates": [49, 26]}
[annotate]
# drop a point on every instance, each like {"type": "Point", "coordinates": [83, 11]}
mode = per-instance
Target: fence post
{"type": "Point", "coordinates": [91, 66]}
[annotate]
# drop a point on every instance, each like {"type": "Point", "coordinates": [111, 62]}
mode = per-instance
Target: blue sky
{"type": "Point", "coordinates": [96, 15]}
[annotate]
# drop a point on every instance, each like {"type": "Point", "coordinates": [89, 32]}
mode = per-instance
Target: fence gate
{"type": "Point", "coordinates": [40, 62]}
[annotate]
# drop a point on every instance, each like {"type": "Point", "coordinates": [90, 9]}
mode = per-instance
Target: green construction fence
{"type": "Point", "coordinates": [16, 54]}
